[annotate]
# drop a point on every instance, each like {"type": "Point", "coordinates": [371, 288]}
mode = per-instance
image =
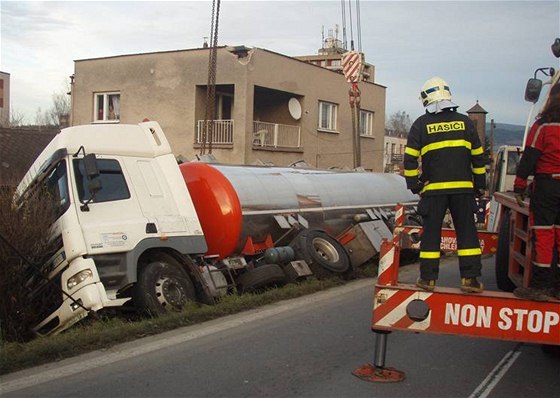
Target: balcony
{"type": "Point", "coordinates": [265, 135]}
{"type": "Point", "coordinates": [222, 132]}
{"type": "Point", "coordinates": [273, 135]}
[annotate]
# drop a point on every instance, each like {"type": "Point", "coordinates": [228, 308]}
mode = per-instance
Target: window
{"type": "Point", "coordinates": [57, 187]}
{"type": "Point", "coordinates": [113, 184]}
{"type": "Point", "coordinates": [512, 163]}
{"type": "Point", "coordinates": [366, 123]}
{"type": "Point", "coordinates": [107, 107]}
{"type": "Point", "coordinates": [327, 116]}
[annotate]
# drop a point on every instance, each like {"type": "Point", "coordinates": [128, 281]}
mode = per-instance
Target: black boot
{"type": "Point", "coordinates": [540, 286]}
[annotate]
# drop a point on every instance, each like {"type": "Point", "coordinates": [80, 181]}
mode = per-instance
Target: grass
{"type": "Point", "coordinates": [106, 331]}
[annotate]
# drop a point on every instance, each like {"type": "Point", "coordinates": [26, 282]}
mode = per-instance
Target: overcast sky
{"type": "Point", "coordinates": [486, 50]}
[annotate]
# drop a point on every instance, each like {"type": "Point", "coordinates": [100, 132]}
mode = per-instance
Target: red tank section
{"type": "Point", "coordinates": [217, 205]}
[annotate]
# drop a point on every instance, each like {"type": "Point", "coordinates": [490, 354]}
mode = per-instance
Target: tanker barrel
{"type": "Point", "coordinates": [257, 203]}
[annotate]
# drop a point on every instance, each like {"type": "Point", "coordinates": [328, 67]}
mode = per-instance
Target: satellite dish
{"type": "Point", "coordinates": [295, 108]}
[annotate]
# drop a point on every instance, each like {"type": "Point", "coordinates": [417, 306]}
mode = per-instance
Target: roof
{"type": "Point", "coordinates": [18, 149]}
{"type": "Point", "coordinates": [477, 109]}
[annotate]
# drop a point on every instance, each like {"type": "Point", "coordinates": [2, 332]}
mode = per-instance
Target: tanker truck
{"type": "Point", "coordinates": [134, 227]}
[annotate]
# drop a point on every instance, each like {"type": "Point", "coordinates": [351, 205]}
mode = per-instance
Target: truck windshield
{"type": "Point", "coordinates": [112, 181]}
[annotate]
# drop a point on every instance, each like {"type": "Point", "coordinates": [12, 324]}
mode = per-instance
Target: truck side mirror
{"type": "Point", "coordinates": [94, 186]}
{"type": "Point", "coordinates": [94, 181]}
{"type": "Point", "coordinates": [533, 90]}
{"type": "Point", "coordinates": [90, 165]}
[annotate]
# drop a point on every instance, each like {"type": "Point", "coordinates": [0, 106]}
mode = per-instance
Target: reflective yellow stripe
{"type": "Point", "coordinates": [448, 185]}
{"type": "Point", "coordinates": [412, 152]}
{"type": "Point", "coordinates": [446, 144]}
{"type": "Point", "coordinates": [469, 252]}
{"type": "Point", "coordinates": [411, 173]}
{"type": "Point", "coordinates": [479, 170]}
{"type": "Point", "coordinates": [429, 254]}
{"type": "Point", "coordinates": [477, 151]}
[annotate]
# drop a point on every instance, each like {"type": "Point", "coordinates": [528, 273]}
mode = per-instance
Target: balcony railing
{"type": "Point", "coordinates": [222, 132]}
{"type": "Point", "coordinates": [273, 135]}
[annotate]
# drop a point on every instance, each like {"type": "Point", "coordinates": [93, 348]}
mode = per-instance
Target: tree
{"type": "Point", "coordinates": [399, 123]}
{"type": "Point", "coordinates": [60, 106]}
{"type": "Point", "coordinates": [16, 118]}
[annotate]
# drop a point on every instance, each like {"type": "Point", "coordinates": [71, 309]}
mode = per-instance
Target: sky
{"type": "Point", "coordinates": [485, 50]}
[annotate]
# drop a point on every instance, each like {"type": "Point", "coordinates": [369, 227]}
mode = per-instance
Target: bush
{"type": "Point", "coordinates": [24, 246]}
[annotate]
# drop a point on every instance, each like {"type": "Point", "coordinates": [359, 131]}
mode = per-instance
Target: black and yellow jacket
{"type": "Point", "coordinates": [452, 157]}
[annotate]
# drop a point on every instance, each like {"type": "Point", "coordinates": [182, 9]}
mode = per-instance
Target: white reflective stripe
{"type": "Point", "coordinates": [541, 265]}
{"type": "Point", "coordinates": [542, 226]}
{"type": "Point", "coordinates": [399, 213]}
{"type": "Point", "coordinates": [536, 136]}
{"type": "Point", "coordinates": [386, 261]}
{"type": "Point", "coordinates": [400, 311]}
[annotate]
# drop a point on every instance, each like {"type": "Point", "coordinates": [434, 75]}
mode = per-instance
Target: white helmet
{"type": "Point", "coordinates": [435, 89]}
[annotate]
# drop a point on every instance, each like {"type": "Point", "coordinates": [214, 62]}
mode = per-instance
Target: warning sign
{"type": "Point", "coordinates": [352, 66]}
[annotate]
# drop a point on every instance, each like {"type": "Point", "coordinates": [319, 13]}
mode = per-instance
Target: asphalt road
{"type": "Point", "coordinates": [306, 347]}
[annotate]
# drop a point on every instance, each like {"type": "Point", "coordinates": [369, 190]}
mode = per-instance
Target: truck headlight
{"type": "Point", "coordinates": [78, 278]}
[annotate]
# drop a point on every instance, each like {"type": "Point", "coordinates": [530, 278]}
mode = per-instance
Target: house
{"type": "Point", "coordinates": [270, 108]}
{"type": "Point", "coordinates": [4, 99]}
{"type": "Point", "coordinates": [395, 144]}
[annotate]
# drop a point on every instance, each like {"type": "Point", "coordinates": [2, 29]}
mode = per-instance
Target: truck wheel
{"type": "Point", "coordinates": [162, 287]}
{"type": "Point", "coordinates": [257, 278]}
{"type": "Point", "coordinates": [322, 253]}
{"type": "Point", "coordinates": [502, 255]}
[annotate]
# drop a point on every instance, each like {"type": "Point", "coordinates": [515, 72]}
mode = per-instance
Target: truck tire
{"type": "Point", "coordinates": [161, 287]}
{"type": "Point", "coordinates": [502, 255]}
{"type": "Point", "coordinates": [324, 254]}
{"type": "Point", "coordinates": [259, 277]}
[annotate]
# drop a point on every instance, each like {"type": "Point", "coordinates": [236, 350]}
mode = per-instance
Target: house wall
{"type": "Point", "coordinates": [169, 87]}
{"type": "Point", "coordinates": [4, 99]}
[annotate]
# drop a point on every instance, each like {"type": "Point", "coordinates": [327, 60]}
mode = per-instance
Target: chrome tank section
{"type": "Point", "coordinates": [272, 198]}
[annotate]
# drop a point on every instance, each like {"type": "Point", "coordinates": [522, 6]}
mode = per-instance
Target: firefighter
{"type": "Point", "coordinates": [453, 172]}
{"type": "Point", "coordinates": [541, 159]}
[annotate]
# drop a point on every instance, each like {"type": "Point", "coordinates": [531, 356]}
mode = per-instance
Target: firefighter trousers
{"type": "Point", "coordinates": [462, 207]}
{"type": "Point", "coordinates": [544, 218]}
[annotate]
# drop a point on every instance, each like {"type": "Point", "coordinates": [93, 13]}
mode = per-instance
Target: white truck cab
{"type": "Point", "coordinates": [143, 216]}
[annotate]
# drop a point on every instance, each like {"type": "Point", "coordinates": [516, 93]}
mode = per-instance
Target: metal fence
{"type": "Point", "coordinates": [222, 132]}
{"type": "Point", "coordinates": [273, 135]}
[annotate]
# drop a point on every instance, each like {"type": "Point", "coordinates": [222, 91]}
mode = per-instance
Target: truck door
{"type": "Point", "coordinates": [112, 221]}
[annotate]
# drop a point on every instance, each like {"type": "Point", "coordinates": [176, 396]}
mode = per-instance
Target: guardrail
{"type": "Point", "coordinates": [274, 135]}
{"type": "Point", "coordinates": [222, 132]}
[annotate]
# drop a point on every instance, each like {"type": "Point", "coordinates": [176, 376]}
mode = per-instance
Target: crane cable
{"type": "Point", "coordinates": [208, 127]}
{"type": "Point", "coordinates": [344, 42]}
{"type": "Point", "coordinates": [358, 25]}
